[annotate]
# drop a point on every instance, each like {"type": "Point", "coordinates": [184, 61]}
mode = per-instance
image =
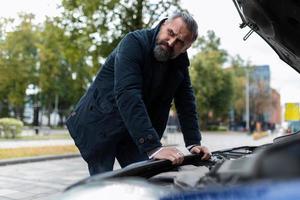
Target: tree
{"type": "Point", "coordinates": [4, 107]}
{"type": "Point", "coordinates": [18, 63]}
{"type": "Point", "coordinates": [63, 73]}
{"type": "Point", "coordinates": [213, 85]}
{"type": "Point", "coordinates": [102, 24]}
{"type": "Point", "coordinates": [238, 67]}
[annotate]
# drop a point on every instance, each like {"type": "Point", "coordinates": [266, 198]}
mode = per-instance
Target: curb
{"type": "Point", "coordinates": [37, 159]}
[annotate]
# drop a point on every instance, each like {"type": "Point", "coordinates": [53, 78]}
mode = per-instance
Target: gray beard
{"type": "Point", "coordinates": [161, 54]}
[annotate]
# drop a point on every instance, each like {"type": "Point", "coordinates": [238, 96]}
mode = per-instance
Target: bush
{"type": "Point", "coordinates": [222, 128]}
{"type": "Point", "coordinates": [217, 128]}
{"type": "Point", "coordinates": [212, 127]}
{"type": "Point", "coordinates": [10, 127]}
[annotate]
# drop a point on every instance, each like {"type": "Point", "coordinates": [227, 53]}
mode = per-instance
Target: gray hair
{"type": "Point", "coordinates": [188, 20]}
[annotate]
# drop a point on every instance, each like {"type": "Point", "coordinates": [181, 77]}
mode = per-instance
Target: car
{"type": "Point", "coordinates": [251, 172]}
{"type": "Point", "coordinates": [269, 171]}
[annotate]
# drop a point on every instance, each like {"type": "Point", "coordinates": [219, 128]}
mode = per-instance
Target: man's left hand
{"type": "Point", "coordinates": [201, 149]}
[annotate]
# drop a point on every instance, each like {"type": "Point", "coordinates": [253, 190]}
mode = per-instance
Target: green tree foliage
{"type": "Point", "coordinates": [213, 85]}
{"type": "Point", "coordinates": [3, 76]}
{"type": "Point", "coordinates": [238, 67]}
{"type": "Point", "coordinates": [18, 63]}
{"type": "Point", "coordinates": [102, 24]}
{"type": "Point", "coordinates": [63, 73]}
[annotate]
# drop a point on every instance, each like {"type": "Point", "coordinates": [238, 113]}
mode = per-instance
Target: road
{"type": "Point", "coordinates": [45, 180]}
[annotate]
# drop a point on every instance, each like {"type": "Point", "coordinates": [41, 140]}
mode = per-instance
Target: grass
{"type": "Point", "coordinates": [37, 151]}
{"type": "Point", "coordinates": [39, 137]}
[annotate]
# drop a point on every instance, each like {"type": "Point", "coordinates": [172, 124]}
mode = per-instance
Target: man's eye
{"type": "Point", "coordinates": [170, 32]}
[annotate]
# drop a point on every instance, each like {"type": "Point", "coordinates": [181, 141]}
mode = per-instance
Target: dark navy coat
{"type": "Point", "coordinates": [122, 99]}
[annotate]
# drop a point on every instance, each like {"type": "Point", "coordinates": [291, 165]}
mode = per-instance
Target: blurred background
{"type": "Point", "coordinates": [51, 51]}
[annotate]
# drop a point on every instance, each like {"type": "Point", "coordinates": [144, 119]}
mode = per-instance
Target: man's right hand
{"type": "Point", "coordinates": [170, 153]}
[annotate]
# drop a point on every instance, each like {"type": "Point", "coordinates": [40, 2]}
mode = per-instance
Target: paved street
{"type": "Point", "coordinates": [45, 180]}
{"type": "Point", "coordinates": [39, 180]}
{"type": "Point", "coordinates": [222, 140]}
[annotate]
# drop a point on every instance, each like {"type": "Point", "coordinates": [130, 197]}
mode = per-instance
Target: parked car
{"type": "Point", "coordinates": [270, 171]}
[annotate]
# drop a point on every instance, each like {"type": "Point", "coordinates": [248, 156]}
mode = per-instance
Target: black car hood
{"type": "Point", "coordinates": [277, 22]}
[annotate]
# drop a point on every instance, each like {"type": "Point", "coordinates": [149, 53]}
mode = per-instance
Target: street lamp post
{"type": "Point", "coordinates": [32, 91]}
{"type": "Point", "coordinates": [247, 100]}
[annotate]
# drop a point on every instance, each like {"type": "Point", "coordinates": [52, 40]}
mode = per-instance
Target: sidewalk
{"type": "Point", "coordinates": [34, 143]}
{"type": "Point", "coordinates": [40, 180]}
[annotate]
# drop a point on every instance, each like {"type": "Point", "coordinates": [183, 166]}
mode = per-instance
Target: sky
{"type": "Point", "coordinates": [217, 15]}
{"type": "Point", "coordinates": [222, 17]}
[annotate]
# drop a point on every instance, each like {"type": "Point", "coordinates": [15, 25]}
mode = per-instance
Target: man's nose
{"type": "Point", "coordinates": [171, 42]}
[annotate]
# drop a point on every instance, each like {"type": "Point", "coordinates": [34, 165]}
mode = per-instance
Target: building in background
{"type": "Point", "coordinates": [260, 96]}
{"type": "Point", "coordinates": [260, 76]}
{"type": "Point", "coordinates": [276, 108]}
{"type": "Point", "coordinates": [265, 107]}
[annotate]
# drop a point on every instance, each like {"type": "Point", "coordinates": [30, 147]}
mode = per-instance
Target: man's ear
{"type": "Point", "coordinates": [186, 48]}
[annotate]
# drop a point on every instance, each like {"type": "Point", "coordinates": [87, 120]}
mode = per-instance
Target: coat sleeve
{"type": "Point", "coordinates": [186, 110]}
{"type": "Point", "coordinates": [128, 94]}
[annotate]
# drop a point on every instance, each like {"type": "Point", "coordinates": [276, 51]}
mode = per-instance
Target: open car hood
{"type": "Point", "coordinates": [277, 22]}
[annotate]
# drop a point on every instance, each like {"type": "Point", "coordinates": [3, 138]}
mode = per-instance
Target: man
{"type": "Point", "coordinates": [124, 112]}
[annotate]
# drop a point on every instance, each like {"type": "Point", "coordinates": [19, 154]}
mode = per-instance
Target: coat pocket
{"type": "Point", "coordinates": [104, 100]}
{"type": "Point", "coordinates": [83, 122]}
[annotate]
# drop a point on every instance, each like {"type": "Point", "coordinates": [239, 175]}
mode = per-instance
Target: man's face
{"type": "Point", "coordinates": [173, 39]}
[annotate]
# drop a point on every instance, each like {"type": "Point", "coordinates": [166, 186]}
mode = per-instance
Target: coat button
{"type": "Point", "coordinates": [141, 140]}
{"type": "Point", "coordinates": [150, 136]}
{"type": "Point", "coordinates": [73, 114]}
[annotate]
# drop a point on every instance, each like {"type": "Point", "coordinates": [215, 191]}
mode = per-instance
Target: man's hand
{"type": "Point", "coordinates": [201, 149]}
{"type": "Point", "coordinates": [170, 153]}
